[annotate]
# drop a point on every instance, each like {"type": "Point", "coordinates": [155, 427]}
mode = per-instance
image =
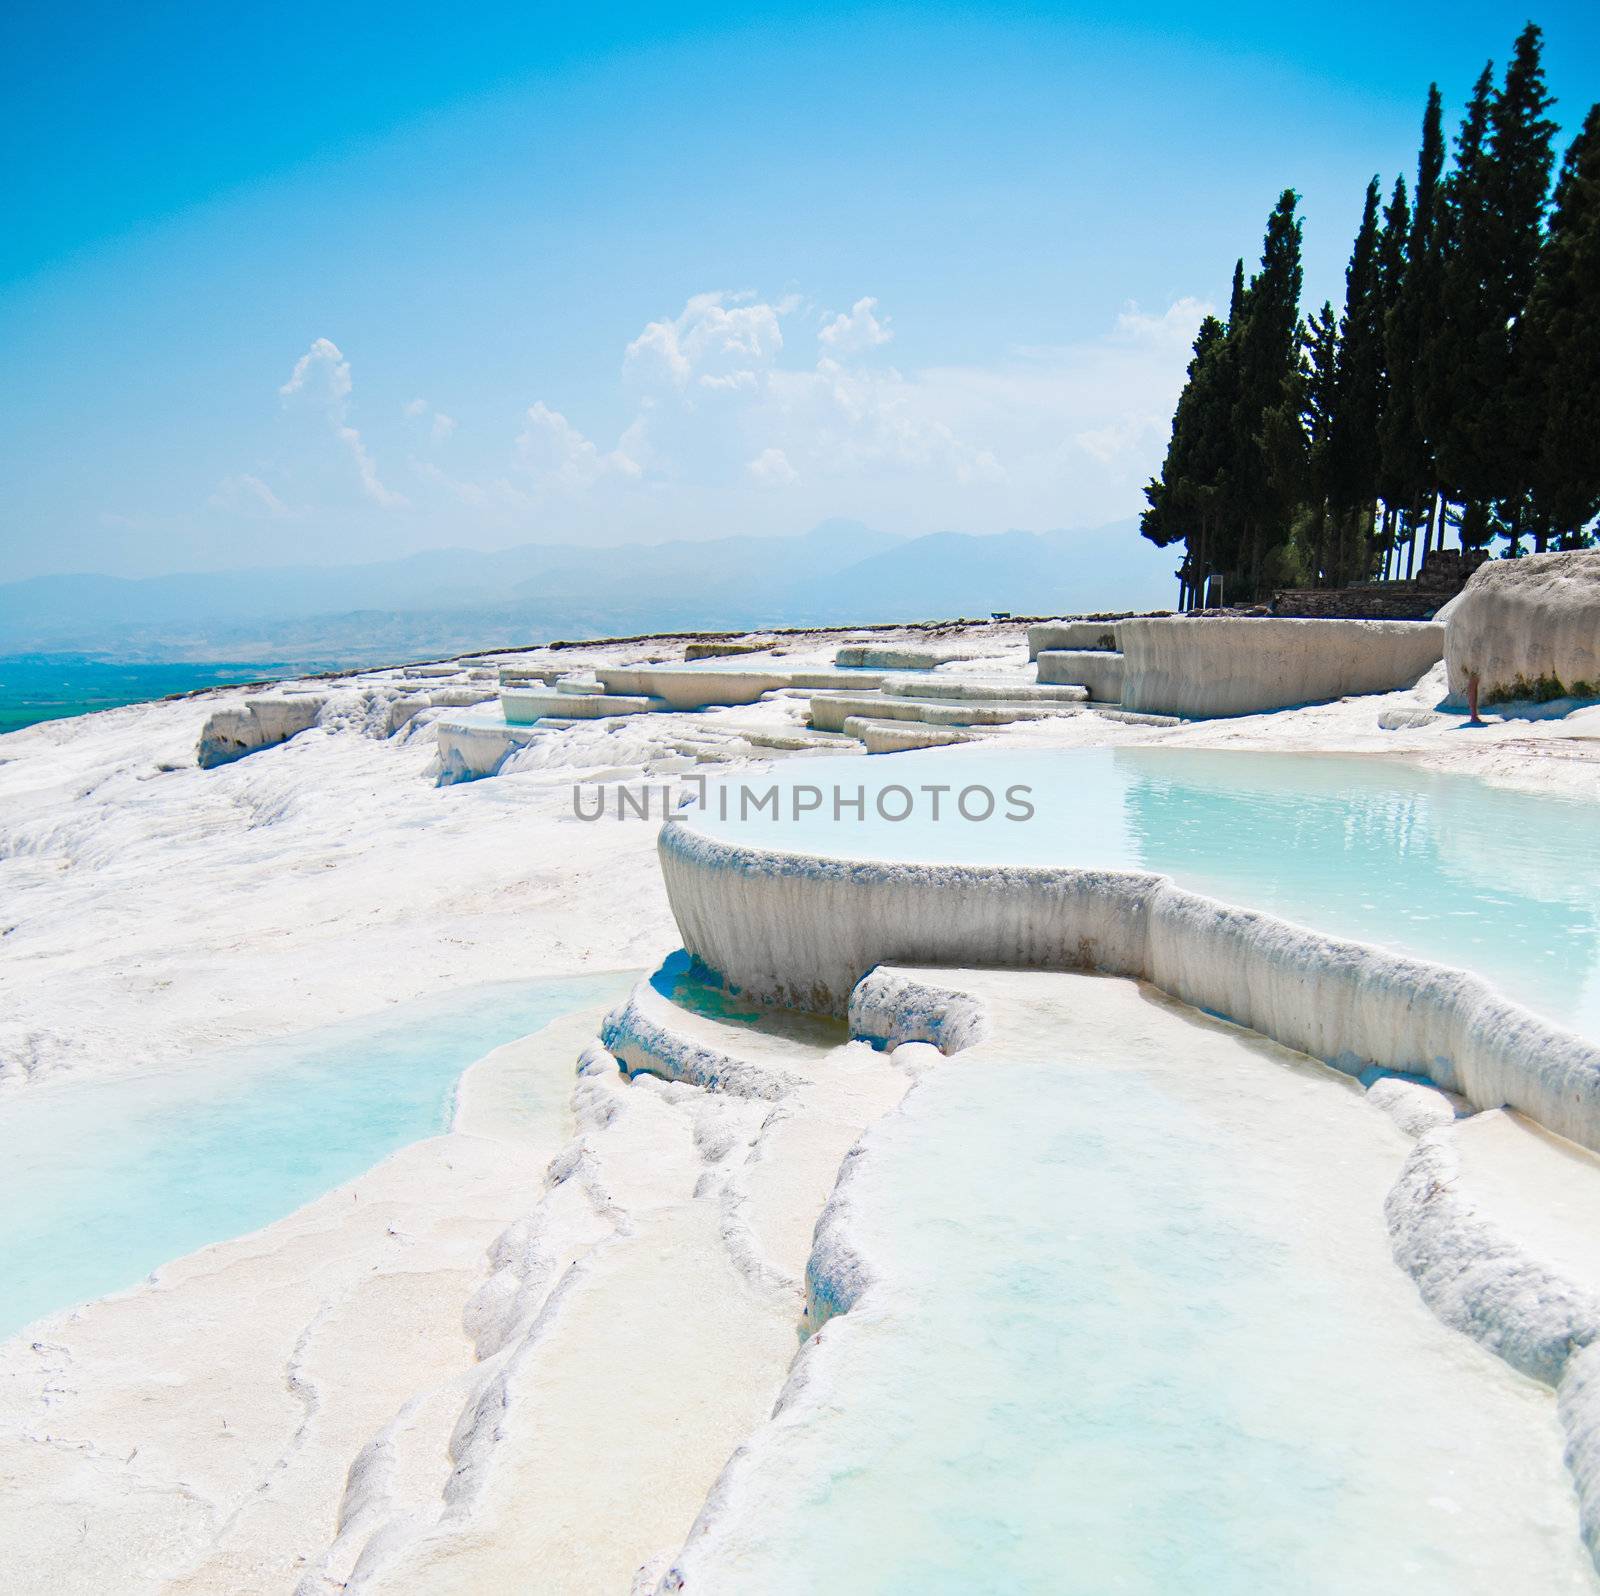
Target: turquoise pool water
{"type": "Point", "coordinates": [1122, 1345]}
{"type": "Point", "coordinates": [1446, 867]}
{"type": "Point", "coordinates": [36, 687]}
{"type": "Point", "coordinates": [102, 1182]}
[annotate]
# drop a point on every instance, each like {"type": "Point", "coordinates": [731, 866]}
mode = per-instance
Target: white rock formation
{"type": "Point", "coordinates": [900, 736]}
{"type": "Point", "coordinates": [1527, 629]}
{"type": "Point", "coordinates": [977, 690]}
{"type": "Point", "coordinates": [260, 722]}
{"type": "Point", "coordinates": [680, 687]}
{"type": "Point", "coordinates": [522, 706]}
{"type": "Point", "coordinates": [901, 656]}
{"type": "Point", "coordinates": [802, 931]}
{"type": "Point", "coordinates": [830, 711]}
{"type": "Point", "coordinates": [472, 746]}
{"type": "Point", "coordinates": [1072, 635]}
{"type": "Point", "coordinates": [1205, 666]}
{"type": "Point", "coordinates": [1099, 671]}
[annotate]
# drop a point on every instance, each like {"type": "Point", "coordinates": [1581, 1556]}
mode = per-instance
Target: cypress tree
{"type": "Point", "coordinates": [1421, 329]}
{"type": "Point", "coordinates": [1517, 186]}
{"type": "Point", "coordinates": [1465, 320]}
{"type": "Point", "coordinates": [1267, 438]}
{"type": "Point", "coordinates": [1357, 416]}
{"type": "Point", "coordinates": [1396, 486]}
{"type": "Point", "coordinates": [1186, 500]}
{"type": "Point", "coordinates": [1321, 391]}
{"type": "Point", "coordinates": [1558, 354]}
{"type": "Point", "coordinates": [1496, 204]}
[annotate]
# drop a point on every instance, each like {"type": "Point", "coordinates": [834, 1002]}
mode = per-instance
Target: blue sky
{"type": "Point", "coordinates": [343, 282]}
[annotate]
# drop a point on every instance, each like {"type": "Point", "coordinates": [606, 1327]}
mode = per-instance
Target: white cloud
{"type": "Point", "coordinates": [859, 330]}
{"type": "Point", "coordinates": [496, 495]}
{"type": "Point", "coordinates": [247, 493]}
{"type": "Point", "coordinates": [715, 336]}
{"type": "Point", "coordinates": [322, 373]}
{"type": "Point", "coordinates": [558, 455]}
{"type": "Point", "coordinates": [1042, 437]}
{"type": "Point", "coordinates": [1173, 329]}
{"type": "Point", "coordinates": [772, 467]}
{"type": "Point", "coordinates": [722, 418]}
{"type": "Point", "coordinates": [439, 427]}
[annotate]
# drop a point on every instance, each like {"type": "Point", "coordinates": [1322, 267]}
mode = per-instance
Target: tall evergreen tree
{"type": "Point", "coordinates": [1459, 386]}
{"type": "Point", "coordinates": [1498, 194]}
{"type": "Point", "coordinates": [1558, 354]}
{"type": "Point", "coordinates": [1518, 180]}
{"type": "Point", "coordinates": [1395, 421]}
{"type": "Point", "coordinates": [1320, 382]}
{"type": "Point", "coordinates": [1412, 415]}
{"type": "Point", "coordinates": [1188, 500]}
{"type": "Point", "coordinates": [1464, 321]}
{"type": "Point", "coordinates": [1268, 441]}
{"type": "Point", "coordinates": [1352, 484]}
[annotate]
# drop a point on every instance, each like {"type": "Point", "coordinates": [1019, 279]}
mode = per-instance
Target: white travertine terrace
{"type": "Point", "coordinates": [1072, 635]}
{"type": "Point", "coordinates": [1099, 671]}
{"type": "Point", "coordinates": [977, 690]}
{"type": "Point", "coordinates": [829, 712]}
{"type": "Point", "coordinates": [900, 656]}
{"type": "Point", "coordinates": [1527, 628]}
{"type": "Point", "coordinates": [1207, 666]}
{"type": "Point", "coordinates": [1485, 1261]}
{"type": "Point", "coordinates": [523, 706]}
{"type": "Point", "coordinates": [699, 688]}
{"type": "Point", "coordinates": [801, 931]}
{"type": "Point", "coordinates": [463, 697]}
{"type": "Point", "coordinates": [471, 746]}
{"type": "Point", "coordinates": [596, 1467]}
{"type": "Point", "coordinates": [260, 722]}
{"type": "Point", "coordinates": [899, 736]}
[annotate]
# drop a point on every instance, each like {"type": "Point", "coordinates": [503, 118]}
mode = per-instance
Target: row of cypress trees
{"type": "Point", "coordinates": [1458, 389]}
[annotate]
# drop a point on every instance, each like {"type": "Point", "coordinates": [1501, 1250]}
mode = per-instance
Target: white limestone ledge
{"type": "Point", "coordinates": [648, 1035]}
{"type": "Point", "coordinates": [523, 706]}
{"type": "Point", "coordinates": [680, 687]}
{"type": "Point", "coordinates": [829, 712]}
{"type": "Point", "coordinates": [901, 736]}
{"type": "Point", "coordinates": [800, 931]}
{"type": "Point", "coordinates": [889, 1008]}
{"type": "Point", "coordinates": [263, 721]}
{"type": "Point", "coordinates": [476, 745]}
{"type": "Point", "coordinates": [1073, 635]}
{"type": "Point", "coordinates": [266, 719]}
{"type": "Point", "coordinates": [1099, 672]}
{"type": "Point", "coordinates": [1202, 667]}
{"type": "Point", "coordinates": [900, 656]}
{"type": "Point", "coordinates": [980, 690]}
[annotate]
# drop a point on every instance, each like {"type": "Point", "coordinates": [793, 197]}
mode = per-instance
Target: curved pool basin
{"type": "Point", "coordinates": [1442, 867]}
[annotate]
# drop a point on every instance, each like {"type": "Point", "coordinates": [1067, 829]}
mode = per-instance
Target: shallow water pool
{"type": "Point", "coordinates": [1444, 867]}
{"type": "Point", "coordinates": [101, 1182]}
{"type": "Point", "coordinates": [1135, 1329]}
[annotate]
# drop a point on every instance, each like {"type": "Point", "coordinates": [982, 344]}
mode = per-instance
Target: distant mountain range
{"type": "Point", "coordinates": [452, 600]}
